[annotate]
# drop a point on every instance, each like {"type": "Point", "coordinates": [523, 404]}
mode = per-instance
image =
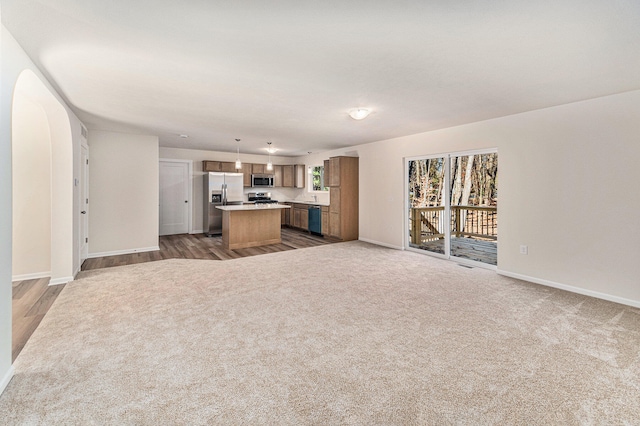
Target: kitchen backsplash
{"type": "Point", "coordinates": [287, 194]}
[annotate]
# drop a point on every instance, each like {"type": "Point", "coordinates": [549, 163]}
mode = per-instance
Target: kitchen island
{"type": "Point", "coordinates": [251, 225]}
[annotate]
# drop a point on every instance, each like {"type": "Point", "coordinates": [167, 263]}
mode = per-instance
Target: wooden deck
{"type": "Point", "coordinates": [465, 248]}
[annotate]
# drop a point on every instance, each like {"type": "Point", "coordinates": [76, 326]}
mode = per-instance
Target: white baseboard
{"type": "Point", "coordinates": [35, 276]}
{"type": "Point", "coordinates": [378, 243]}
{"type": "Point", "coordinates": [117, 252]}
{"type": "Point", "coordinates": [197, 231]}
{"type": "Point", "coordinates": [6, 379]}
{"type": "Point", "coordinates": [572, 289]}
{"type": "Point", "coordinates": [61, 280]}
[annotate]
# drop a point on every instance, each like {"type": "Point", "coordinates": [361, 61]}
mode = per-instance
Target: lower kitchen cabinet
{"type": "Point", "coordinates": [325, 220]}
{"type": "Point", "coordinates": [304, 219]}
{"type": "Point", "coordinates": [300, 216]}
{"type": "Point", "coordinates": [296, 218]}
{"type": "Point", "coordinates": [285, 218]}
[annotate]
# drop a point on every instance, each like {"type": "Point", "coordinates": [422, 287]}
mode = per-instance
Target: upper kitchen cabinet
{"type": "Point", "coordinates": [277, 176]}
{"type": "Point", "coordinates": [288, 176]}
{"type": "Point", "coordinates": [259, 169]}
{"type": "Point", "coordinates": [327, 173]}
{"type": "Point", "coordinates": [219, 166]}
{"type": "Point", "coordinates": [246, 170]}
{"type": "Point", "coordinates": [335, 165]}
{"type": "Point", "coordinates": [300, 175]}
{"type": "Point", "coordinates": [344, 194]}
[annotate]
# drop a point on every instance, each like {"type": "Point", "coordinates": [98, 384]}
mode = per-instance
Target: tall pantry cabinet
{"type": "Point", "coordinates": [343, 190]}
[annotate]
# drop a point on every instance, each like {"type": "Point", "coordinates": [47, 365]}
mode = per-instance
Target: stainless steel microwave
{"type": "Point", "coordinates": [262, 181]}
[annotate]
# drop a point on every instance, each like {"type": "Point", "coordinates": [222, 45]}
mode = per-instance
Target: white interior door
{"type": "Point", "coordinates": [175, 209]}
{"type": "Point", "coordinates": [84, 204]}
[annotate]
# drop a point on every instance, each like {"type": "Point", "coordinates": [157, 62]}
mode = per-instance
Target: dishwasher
{"type": "Point", "coordinates": [315, 221]}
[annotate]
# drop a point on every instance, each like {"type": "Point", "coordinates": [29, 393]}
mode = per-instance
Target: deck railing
{"type": "Point", "coordinates": [428, 223]}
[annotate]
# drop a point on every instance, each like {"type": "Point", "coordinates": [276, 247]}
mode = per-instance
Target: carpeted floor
{"type": "Point", "coordinates": [346, 333]}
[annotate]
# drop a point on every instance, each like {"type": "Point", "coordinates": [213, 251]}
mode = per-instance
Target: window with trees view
{"type": "Point", "coordinates": [317, 179]}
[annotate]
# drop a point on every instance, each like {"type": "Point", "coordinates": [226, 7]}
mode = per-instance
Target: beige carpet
{"type": "Point", "coordinates": [340, 334]}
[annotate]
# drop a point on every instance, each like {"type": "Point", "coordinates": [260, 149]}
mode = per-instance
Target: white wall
{"type": "Point", "coordinates": [198, 156]}
{"type": "Point", "coordinates": [566, 189]}
{"type": "Point", "coordinates": [31, 163]}
{"type": "Point", "coordinates": [6, 88]}
{"type": "Point", "coordinates": [123, 193]}
{"type": "Point", "coordinates": [65, 129]}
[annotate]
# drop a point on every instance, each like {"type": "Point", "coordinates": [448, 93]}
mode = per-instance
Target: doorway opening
{"type": "Point", "coordinates": [44, 248]}
{"type": "Point", "coordinates": [452, 204]}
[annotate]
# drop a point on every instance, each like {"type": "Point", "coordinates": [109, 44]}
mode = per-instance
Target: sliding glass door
{"type": "Point", "coordinates": [427, 216]}
{"type": "Point", "coordinates": [453, 206]}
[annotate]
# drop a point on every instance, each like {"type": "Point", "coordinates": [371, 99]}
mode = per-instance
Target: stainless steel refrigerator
{"type": "Point", "coordinates": [220, 189]}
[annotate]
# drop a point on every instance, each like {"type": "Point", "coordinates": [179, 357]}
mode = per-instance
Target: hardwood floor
{"type": "Point", "coordinates": [33, 298]}
{"type": "Point", "coordinates": [199, 246]}
{"type": "Point", "coordinates": [31, 301]}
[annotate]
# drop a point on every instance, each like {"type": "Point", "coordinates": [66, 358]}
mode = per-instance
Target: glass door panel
{"type": "Point", "coordinates": [427, 217]}
{"type": "Point", "coordinates": [474, 207]}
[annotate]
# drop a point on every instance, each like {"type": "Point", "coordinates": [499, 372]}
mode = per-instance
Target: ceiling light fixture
{"type": "Point", "coordinates": [238, 162]}
{"type": "Point", "coordinates": [359, 113]}
{"type": "Point", "coordinates": [269, 164]}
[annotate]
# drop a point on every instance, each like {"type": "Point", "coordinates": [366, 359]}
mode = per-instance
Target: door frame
{"type": "Point", "coordinates": [189, 190]}
{"type": "Point", "coordinates": [84, 204]}
{"type": "Point", "coordinates": [447, 206]}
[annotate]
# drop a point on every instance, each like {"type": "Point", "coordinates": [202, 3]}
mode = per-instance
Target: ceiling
{"type": "Point", "coordinates": [288, 71]}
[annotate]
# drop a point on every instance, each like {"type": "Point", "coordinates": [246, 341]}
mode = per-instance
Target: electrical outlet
{"type": "Point", "coordinates": [524, 249]}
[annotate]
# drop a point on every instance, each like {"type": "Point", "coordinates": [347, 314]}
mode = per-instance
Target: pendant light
{"type": "Point", "coordinates": [269, 164]}
{"type": "Point", "coordinates": [238, 162]}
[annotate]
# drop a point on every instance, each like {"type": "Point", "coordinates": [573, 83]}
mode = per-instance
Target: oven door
{"type": "Point", "coordinates": [262, 181]}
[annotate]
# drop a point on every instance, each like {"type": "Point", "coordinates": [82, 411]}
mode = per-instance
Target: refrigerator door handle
{"type": "Point", "coordinates": [224, 194]}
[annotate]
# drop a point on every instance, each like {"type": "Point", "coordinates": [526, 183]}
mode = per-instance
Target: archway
{"type": "Point", "coordinates": [42, 164]}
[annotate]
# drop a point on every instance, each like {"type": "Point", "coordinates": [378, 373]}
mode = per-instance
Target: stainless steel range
{"type": "Point", "coordinates": [261, 198]}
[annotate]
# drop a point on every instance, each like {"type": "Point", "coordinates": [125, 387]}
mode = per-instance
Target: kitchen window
{"type": "Point", "coordinates": [317, 179]}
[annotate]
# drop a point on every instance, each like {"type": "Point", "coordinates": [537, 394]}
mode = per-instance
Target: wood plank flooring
{"type": "Point", "coordinates": [199, 246]}
{"type": "Point", "coordinates": [31, 301]}
{"type": "Point", "coordinates": [466, 248]}
{"type": "Point", "coordinates": [33, 298]}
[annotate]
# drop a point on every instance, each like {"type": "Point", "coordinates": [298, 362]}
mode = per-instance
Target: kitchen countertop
{"type": "Point", "coordinates": [252, 207]}
{"type": "Point", "coordinates": [310, 203]}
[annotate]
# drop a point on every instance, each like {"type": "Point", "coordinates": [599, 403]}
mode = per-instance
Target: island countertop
{"type": "Point", "coordinates": [252, 207]}
{"type": "Point", "coordinates": [307, 202]}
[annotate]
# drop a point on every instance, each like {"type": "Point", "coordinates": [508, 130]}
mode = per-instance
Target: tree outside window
{"type": "Point", "coordinates": [317, 179]}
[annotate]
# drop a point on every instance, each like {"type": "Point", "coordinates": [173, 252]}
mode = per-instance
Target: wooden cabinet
{"type": "Point", "coordinates": [325, 220]}
{"type": "Point", "coordinates": [228, 167]}
{"type": "Point", "coordinates": [334, 170]}
{"type": "Point", "coordinates": [296, 218]}
{"type": "Point", "coordinates": [277, 176]}
{"type": "Point", "coordinates": [219, 166]}
{"type": "Point", "coordinates": [211, 166]}
{"type": "Point", "coordinates": [288, 176]}
{"type": "Point", "coordinates": [246, 170]}
{"type": "Point", "coordinates": [285, 217]}
{"type": "Point", "coordinates": [327, 173]}
{"type": "Point", "coordinates": [300, 175]}
{"type": "Point", "coordinates": [299, 216]}
{"type": "Point", "coordinates": [343, 209]}
{"type": "Point", "coordinates": [259, 169]}
{"type": "Point", "coordinates": [304, 218]}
